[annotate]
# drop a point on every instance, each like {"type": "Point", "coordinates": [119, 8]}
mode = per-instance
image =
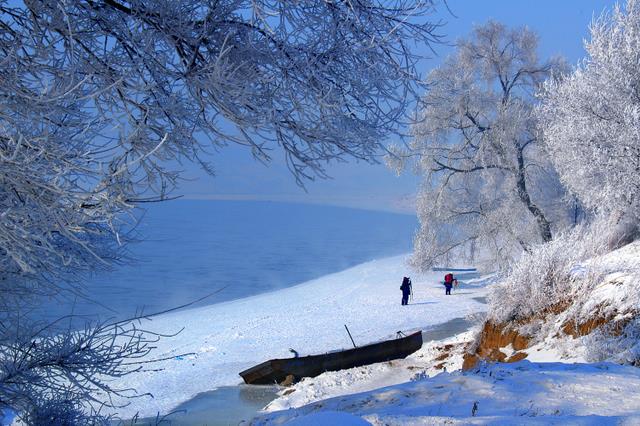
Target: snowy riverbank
{"type": "Point", "coordinates": [570, 375]}
{"type": "Point", "coordinates": [429, 388]}
{"type": "Point", "coordinates": [229, 337]}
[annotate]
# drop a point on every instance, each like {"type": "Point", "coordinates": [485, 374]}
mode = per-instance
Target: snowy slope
{"type": "Point", "coordinates": [229, 337]}
{"type": "Point", "coordinates": [597, 318]}
{"type": "Point", "coordinates": [617, 291]}
{"type": "Point", "coordinates": [502, 394]}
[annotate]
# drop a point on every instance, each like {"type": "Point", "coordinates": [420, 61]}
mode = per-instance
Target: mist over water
{"type": "Point", "coordinates": [192, 248]}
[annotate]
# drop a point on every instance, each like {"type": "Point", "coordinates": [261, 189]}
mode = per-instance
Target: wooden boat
{"type": "Point", "coordinates": [277, 370]}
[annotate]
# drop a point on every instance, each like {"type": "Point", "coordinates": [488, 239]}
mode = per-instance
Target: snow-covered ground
{"type": "Point", "coordinates": [227, 338]}
{"type": "Point", "coordinates": [428, 388]}
{"type": "Point", "coordinates": [496, 394]}
{"type": "Point", "coordinates": [554, 385]}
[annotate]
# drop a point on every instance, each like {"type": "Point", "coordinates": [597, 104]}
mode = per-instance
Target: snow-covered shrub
{"type": "Point", "coordinates": [591, 120]}
{"type": "Point", "coordinates": [606, 344]}
{"type": "Point", "coordinates": [423, 375]}
{"type": "Point", "coordinates": [45, 374]}
{"type": "Point", "coordinates": [61, 411]}
{"type": "Point", "coordinates": [548, 275]}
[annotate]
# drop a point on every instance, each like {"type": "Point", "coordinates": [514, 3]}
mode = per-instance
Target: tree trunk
{"type": "Point", "coordinates": [521, 182]}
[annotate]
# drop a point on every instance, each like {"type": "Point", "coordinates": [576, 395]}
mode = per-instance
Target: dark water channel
{"type": "Point", "coordinates": [227, 405]}
{"type": "Point", "coordinates": [447, 329]}
{"type": "Point", "coordinates": [451, 327]}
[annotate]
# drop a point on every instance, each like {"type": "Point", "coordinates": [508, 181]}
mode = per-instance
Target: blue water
{"type": "Point", "coordinates": [192, 248]}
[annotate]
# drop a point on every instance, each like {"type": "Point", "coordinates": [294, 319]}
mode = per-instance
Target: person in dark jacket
{"type": "Point", "coordinates": [449, 280]}
{"type": "Point", "coordinates": [406, 290]}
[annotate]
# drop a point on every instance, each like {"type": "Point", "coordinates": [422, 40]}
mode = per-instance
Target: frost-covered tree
{"type": "Point", "coordinates": [488, 183]}
{"type": "Point", "coordinates": [591, 119]}
{"type": "Point", "coordinates": [100, 99]}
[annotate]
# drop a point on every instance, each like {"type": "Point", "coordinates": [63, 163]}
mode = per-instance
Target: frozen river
{"type": "Point", "coordinates": [189, 249]}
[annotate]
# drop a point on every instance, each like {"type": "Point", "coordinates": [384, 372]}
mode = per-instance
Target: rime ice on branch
{"type": "Point", "coordinates": [591, 120]}
{"type": "Point", "coordinates": [98, 97]}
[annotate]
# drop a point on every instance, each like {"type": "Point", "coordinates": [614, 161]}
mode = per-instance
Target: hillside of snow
{"type": "Point", "coordinates": [495, 394]}
{"type": "Point", "coordinates": [590, 315]}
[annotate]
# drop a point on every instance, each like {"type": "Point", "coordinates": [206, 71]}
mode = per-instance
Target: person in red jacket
{"type": "Point", "coordinates": [449, 280]}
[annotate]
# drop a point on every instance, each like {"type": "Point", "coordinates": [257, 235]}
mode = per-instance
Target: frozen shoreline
{"type": "Point", "coordinates": [228, 337]}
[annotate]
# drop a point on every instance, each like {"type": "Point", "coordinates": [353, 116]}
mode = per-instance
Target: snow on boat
{"type": "Point", "coordinates": [279, 370]}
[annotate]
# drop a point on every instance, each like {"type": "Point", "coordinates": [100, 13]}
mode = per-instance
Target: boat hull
{"type": "Point", "coordinates": [277, 370]}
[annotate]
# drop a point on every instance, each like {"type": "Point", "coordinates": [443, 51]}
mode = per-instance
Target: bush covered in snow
{"type": "Point", "coordinates": [611, 345]}
{"type": "Point", "coordinates": [61, 411]}
{"type": "Point", "coordinates": [574, 292]}
{"type": "Point", "coordinates": [548, 275]}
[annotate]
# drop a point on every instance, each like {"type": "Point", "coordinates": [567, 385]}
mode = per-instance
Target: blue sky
{"type": "Point", "coordinates": [562, 26]}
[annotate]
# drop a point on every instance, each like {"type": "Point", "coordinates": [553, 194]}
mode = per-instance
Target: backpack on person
{"type": "Point", "coordinates": [448, 279]}
{"type": "Point", "coordinates": [405, 283]}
